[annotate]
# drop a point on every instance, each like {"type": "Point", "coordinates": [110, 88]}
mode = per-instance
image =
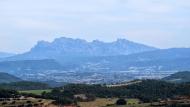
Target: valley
{"type": "Point", "coordinates": [67, 60]}
{"type": "Point", "coordinates": [93, 77]}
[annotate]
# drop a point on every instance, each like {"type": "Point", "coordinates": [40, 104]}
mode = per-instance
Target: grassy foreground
{"type": "Point", "coordinates": [27, 102]}
{"type": "Point", "coordinates": [110, 102]}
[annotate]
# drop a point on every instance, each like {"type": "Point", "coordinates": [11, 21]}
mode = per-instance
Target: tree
{"type": "Point", "coordinates": [121, 102]}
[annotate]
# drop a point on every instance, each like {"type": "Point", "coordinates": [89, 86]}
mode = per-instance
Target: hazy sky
{"type": "Point", "coordinates": [159, 23]}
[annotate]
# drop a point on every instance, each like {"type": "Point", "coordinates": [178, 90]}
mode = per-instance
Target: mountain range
{"type": "Point", "coordinates": [63, 47]}
{"type": "Point", "coordinates": [76, 60]}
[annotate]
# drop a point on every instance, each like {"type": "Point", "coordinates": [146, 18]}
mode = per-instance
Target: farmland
{"type": "Point", "coordinates": [36, 92]}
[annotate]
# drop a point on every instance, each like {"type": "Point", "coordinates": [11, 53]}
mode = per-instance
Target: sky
{"type": "Point", "coordinates": [158, 23]}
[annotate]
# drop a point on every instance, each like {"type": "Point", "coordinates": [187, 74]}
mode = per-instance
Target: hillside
{"type": "Point", "coordinates": [179, 77]}
{"type": "Point", "coordinates": [5, 55]}
{"type": "Point", "coordinates": [7, 78]}
{"type": "Point", "coordinates": [27, 69]}
{"type": "Point", "coordinates": [161, 54]}
{"type": "Point", "coordinates": [101, 69]}
{"type": "Point", "coordinates": [24, 85]}
{"type": "Point", "coordinates": [146, 91]}
{"type": "Point", "coordinates": [29, 65]}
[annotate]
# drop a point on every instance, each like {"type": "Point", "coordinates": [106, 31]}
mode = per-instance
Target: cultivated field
{"type": "Point", "coordinates": [36, 92]}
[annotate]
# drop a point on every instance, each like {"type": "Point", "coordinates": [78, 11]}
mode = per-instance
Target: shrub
{"type": "Point", "coordinates": [63, 101]}
{"type": "Point", "coordinates": [36, 105]}
{"type": "Point", "coordinates": [21, 105]}
{"type": "Point", "coordinates": [13, 102]}
{"type": "Point", "coordinates": [39, 100]}
{"type": "Point", "coordinates": [28, 101]}
{"type": "Point", "coordinates": [121, 102]}
{"type": "Point", "coordinates": [4, 103]}
{"type": "Point", "coordinates": [29, 105]}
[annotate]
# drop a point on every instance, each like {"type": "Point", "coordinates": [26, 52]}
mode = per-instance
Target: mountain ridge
{"type": "Point", "coordinates": [78, 47]}
{"type": "Point", "coordinates": [95, 48]}
{"type": "Point", "coordinates": [179, 77]}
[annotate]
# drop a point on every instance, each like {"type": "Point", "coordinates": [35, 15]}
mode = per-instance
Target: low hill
{"type": "Point", "coordinates": [27, 66]}
{"type": "Point", "coordinates": [5, 55]}
{"type": "Point", "coordinates": [179, 77]}
{"type": "Point", "coordinates": [24, 85]}
{"type": "Point", "coordinates": [146, 90]}
{"type": "Point", "coordinates": [7, 78]}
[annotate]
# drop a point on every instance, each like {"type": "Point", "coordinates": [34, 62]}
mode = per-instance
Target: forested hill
{"type": "Point", "coordinates": [179, 77]}
{"type": "Point", "coordinates": [7, 78]}
{"type": "Point", "coordinates": [24, 85]}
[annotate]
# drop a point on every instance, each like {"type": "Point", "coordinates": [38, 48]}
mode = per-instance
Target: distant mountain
{"type": "Point", "coordinates": [7, 78]}
{"type": "Point", "coordinates": [4, 54]}
{"type": "Point", "coordinates": [179, 77]}
{"type": "Point", "coordinates": [162, 54]}
{"type": "Point", "coordinates": [174, 59]}
{"type": "Point", "coordinates": [97, 69]}
{"type": "Point", "coordinates": [76, 60]}
{"type": "Point", "coordinates": [62, 47]}
{"type": "Point", "coordinates": [101, 69]}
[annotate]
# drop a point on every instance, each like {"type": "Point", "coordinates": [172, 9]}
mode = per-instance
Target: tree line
{"type": "Point", "coordinates": [146, 91]}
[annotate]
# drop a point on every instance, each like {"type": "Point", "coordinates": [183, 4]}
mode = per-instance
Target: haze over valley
{"type": "Point", "coordinates": [78, 61]}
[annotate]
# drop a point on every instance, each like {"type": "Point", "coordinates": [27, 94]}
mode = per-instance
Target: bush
{"type": "Point", "coordinates": [29, 105]}
{"type": "Point", "coordinates": [63, 101]}
{"type": "Point", "coordinates": [13, 102]}
{"type": "Point", "coordinates": [4, 103]}
{"type": "Point", "coordinates": [28, 101]}
{"type": "Point", "coordinates": [39, 100]}
{"type": "Point", "coordinates": [36, 105]}
{"type": "Point", "coordinates": [41, 104]}
{"type": "Point", "coordinates": [121, 102]}
{"type": "Point", "coordinates": [21, 105]}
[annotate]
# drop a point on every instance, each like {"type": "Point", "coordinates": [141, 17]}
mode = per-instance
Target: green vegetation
{"type": "Point", "coordinates": [7, 78]}
{"type": "Point", "coordinates": [132, 101]}
{"type": "Point", "coordinates": [179, 77]}
{"type": "Point", "coordinates": [147, 91]}
{"type": "Point", "coordinates": [36, 92]}
{"type": "Point", "coordinates": [140, 94]}
{"type": "Point", "coordinates": [6, 93]}
{"type": "Point", "coordinates": [121, 102]}
{"type": "Point", "coordinates": [24, 85]}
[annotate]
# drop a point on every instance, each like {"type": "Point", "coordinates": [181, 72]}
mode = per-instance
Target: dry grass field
{"type": "Point", "coordinates": [103, 102]}
{"type": "Point", "coordinates": [99, 102]}
{"type": "Point", "coordinates": [28, 102]}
